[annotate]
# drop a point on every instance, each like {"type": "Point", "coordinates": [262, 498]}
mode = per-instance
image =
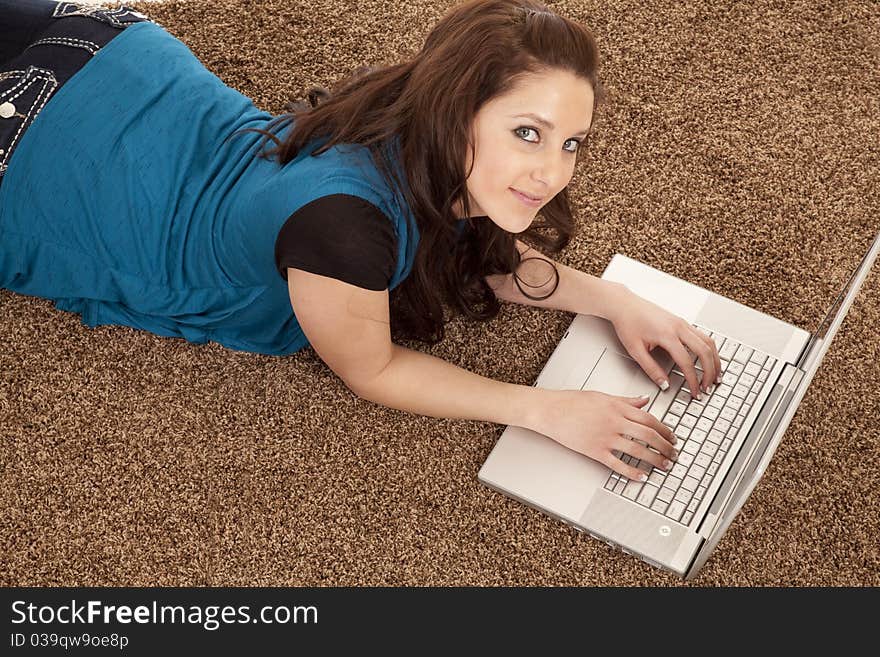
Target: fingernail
{"type": "Point", "coordinates": [643, 477]}
{"type": "Point", "coordinates": [664, 385]}
{"type": "Point", "coordinates": [667, 464]}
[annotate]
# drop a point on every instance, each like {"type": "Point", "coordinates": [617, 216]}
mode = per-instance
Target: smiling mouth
{"type": "Point", "coordinates": [526, 199]}
{"type": "Point", "coordinates": [531, 198]}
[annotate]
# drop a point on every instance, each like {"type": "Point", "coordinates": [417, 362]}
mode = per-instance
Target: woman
{"type": "Point", "coordinates": [135, 190]}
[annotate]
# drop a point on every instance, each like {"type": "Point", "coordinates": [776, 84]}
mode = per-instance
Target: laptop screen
{"type": "Point", "coordinates": [822, 330]}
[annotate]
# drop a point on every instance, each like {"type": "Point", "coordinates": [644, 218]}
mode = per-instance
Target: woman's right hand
{"type": "Point", "coordinates": [596, 424]}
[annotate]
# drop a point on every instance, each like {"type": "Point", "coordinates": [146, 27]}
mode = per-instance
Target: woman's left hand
{"type": "Point", "coordinates": [642, 325]}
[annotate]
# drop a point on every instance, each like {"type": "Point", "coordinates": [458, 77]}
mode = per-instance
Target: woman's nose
{"type": "Point", "coordinates": [549, 172]}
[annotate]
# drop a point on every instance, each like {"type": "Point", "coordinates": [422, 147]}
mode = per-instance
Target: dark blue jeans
{"type": "Point", "coordinates": [43, 43]}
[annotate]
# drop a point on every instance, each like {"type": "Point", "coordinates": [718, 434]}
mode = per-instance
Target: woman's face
{"type": "Point", "coordinates": [520, 153]}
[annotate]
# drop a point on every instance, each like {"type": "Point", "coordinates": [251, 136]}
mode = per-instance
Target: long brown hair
{"type": "Point", "coordinates": [479, 50]}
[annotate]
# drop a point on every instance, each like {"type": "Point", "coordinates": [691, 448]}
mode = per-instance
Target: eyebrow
{"type": "Point", "coordinates": [544, 122]}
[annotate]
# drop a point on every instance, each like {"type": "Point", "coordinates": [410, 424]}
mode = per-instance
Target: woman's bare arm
{"type": "Point", "coordinates": [349, 328]}
{"type": "Point", "coordinates": [577, 292]}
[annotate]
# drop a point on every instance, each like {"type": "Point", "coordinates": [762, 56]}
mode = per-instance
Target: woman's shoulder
{"type": "Point", "coordinates": [345, 168]}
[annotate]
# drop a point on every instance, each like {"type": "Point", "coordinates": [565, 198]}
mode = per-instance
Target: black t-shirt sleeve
{"type": "Point", "coordinates": [341, 236]}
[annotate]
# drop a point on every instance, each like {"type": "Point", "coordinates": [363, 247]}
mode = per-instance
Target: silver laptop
{"type": "Point", "coordinates": [676, 518]}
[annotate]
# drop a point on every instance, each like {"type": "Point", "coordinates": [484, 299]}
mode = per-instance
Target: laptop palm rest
{"type": "Point", "coordinates": [615, 374]}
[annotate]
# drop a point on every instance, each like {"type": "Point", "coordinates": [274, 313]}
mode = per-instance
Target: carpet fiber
{"type": "Point", "coordinates": [739, 151]}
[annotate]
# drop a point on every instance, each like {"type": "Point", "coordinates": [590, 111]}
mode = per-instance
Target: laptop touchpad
{"type": "Point", "coordinates": [615, 374]}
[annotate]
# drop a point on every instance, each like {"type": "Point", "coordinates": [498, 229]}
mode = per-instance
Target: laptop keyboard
{"type": "Point", "coordinates": [705, 431]}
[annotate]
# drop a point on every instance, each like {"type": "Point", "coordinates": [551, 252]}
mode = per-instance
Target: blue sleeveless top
{"type": "Point", "coordinates": [127, 201]}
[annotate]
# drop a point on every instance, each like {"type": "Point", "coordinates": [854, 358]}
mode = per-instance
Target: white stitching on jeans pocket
{"type": "Point", "coordinates": [91, 46]}
{"type": "Point", "coordinates": [32, 74]}
{"type": "Point", "coordinates": [105, 14]}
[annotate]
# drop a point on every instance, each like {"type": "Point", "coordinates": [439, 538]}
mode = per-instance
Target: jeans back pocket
{"type": "Point", "coordinates": [23, 95]}
{"type": "Point", "coordinates": [121, 17]}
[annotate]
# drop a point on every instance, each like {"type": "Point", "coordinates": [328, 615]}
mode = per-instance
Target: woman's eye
{"type": "Point", "coordinates": [527, 130]}
{"type": "Point", "coordinates": [570, 150]}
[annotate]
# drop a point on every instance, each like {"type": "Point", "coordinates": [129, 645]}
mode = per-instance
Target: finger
{"type": "Point", "coordinates": [697, 343]}
{"type": "Point", "coordinates": [713, 352]}
{"type": "Point", "coordinates": [713, 356]}
{"type": "Point", "coordinates": [639, 451]}
{"type": "Point", "coordinates": [645, 418]}
{"type": "Point", "coordinates": [646, 361]}
{"type": "Point", "coordinates": [685, 363]}
{"type": "Point", "coordinates": [650, 437]}
{"type": "Point", "coordinates": [625, 469]}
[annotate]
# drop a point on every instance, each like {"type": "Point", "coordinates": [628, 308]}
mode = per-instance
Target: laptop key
{"type": "Point", "coordinates": [715, 436]}
{"type": "Point", "coordinates": [741, 391]}
{"type": "Point", "coordinates": [728, 350]}
{"type": "Point", "coordinates": [677, 408]}
{"type": "Point", "coordinates": [710, 412]}
{"type": "Point", "coordinates": [675, 510]}
{"type": "Point", "coordinates": [665, 494]}
{"type": "Point", "coordinates": [728, 413]}
{"type": "Point", "coordinates": [743, 355]}
{"type": "Point", "coordinates": [685, 459]}
{"type": "Point", "coordinates": [632, 489]}
{"type": "Point", "coordinates": [709, 449]}
{"type": "Point", "coordinates": [698, 435]}
{"type": "Point", "coordinates": [703, 425]}
{"type": "Point", "coordinates": [647, 495]}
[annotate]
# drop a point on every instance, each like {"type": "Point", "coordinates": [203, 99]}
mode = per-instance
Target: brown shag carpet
{"type": "Point", "coordinates": [739, 151]}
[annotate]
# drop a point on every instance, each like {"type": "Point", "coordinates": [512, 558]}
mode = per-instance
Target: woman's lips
{"type": "Point", "coordinates": [532, 203]}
